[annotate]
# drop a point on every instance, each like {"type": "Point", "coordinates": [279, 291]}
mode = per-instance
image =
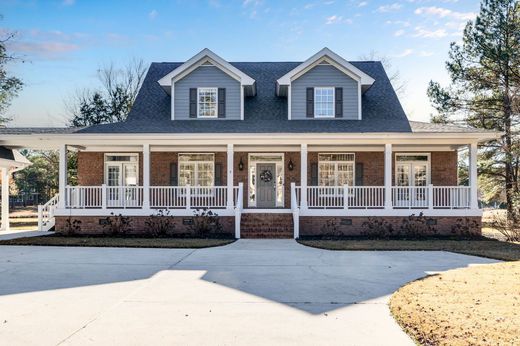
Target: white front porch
{"type": "Point", "coordinates": [231, 199]}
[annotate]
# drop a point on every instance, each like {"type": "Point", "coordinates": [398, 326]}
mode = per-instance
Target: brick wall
{"type": "Point", "coordinates": [443, 167]}
{"type": "Point", "coordinates": [315, 225]}
{"type": "Point", "coordinates": [91, 224]}
{"type": "Point", "coordinates": [91, 169]}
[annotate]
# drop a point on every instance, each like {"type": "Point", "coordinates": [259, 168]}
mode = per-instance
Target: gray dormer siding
{"type": "Point", "coordinates": [211, 77]}
{"type": "Point", "coordinates": [324, 76]}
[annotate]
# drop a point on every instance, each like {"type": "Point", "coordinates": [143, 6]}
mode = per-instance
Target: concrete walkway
{"type": "Point", "coordinates": [13, 234]}
{"type": "Point", "coordinates": [253, 292]}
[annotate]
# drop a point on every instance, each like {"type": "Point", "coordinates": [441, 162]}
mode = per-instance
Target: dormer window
{"type": "Point", "coordinates": [207, 102]}
{"type": "Point", "coordinates": [324, 102]}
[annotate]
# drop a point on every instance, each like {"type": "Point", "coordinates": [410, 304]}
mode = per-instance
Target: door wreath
{"type": "Point", "coordinates": [266, 176]}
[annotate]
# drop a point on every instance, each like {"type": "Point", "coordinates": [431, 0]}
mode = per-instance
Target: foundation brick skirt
{"type": "Point", "coordinates": [93, 225]}
{"type": "Point", "coordinates": [353, 226]}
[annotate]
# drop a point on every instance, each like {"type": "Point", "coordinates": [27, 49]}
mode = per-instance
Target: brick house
{"type": "Point", "coordinates": [275, 148]}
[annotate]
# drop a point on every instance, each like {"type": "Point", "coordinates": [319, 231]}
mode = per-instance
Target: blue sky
{"type": "Point", "coordinates": [65, 41]}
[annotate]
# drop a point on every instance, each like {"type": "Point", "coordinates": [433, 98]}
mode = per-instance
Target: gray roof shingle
{"type": "Point", "coordinates": [263, 113]}
{"type": "Point", "coordinates": [36, 130]}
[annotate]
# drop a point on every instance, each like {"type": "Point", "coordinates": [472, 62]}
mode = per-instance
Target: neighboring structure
{"type": "Point", "coordinates": [275, 148]}
{"type": "Point", "coordinates": [10, 161]}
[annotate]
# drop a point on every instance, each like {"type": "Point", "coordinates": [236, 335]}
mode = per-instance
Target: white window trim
{"type": "Point", "coordinates": [196, 162]}
{"type": "Point", "coordinates": [333, 103]}
{"type": "Point", "coordinates": [114, 163]}
{"type": "Point", "coordinates": [428, 166]}
{"type": "Point", "coordinates": [216, 102]}
{"type": "Point", "coordinates": [282, 163]}
{"type": "Point", "coordinates": [336, 162]}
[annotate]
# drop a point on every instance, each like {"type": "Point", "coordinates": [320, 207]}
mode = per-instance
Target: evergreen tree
{"type": "Point", "coordinates": [485, 91]}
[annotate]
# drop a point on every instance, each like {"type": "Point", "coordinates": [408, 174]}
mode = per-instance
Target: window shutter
{"type": "Point", "coordinates": [314, 174]}
{"type": "Point", "coordinates": [218, 174]}
{"type": "Point", "coordinates": [359, 174]}
{"type": "Point", "coordinates": [221, 102]}
{"type": "Point", "coordinates": [339, 102]}
{"type": "Point", "coordinates": [193, 102]}
{"type": "Point", "coordinates": [310, 102]}
{"type": "Point", "coordinates": [174, 179]}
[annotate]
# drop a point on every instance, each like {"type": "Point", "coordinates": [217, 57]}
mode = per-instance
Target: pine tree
{"type": "Point", "coordinates": [485, 90]}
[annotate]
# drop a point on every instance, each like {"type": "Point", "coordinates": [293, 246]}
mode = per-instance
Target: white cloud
{"type": "Point", "coordinates": [399, 32]}
{"type": "Point", "coordinates": [404, 53]}
{"type": "Point", "coordinates": [398, 22]}
{"type": "Point", "coordinates": [337, 20]}
{"type": "Point", "coordinates": [425, 33]}
{"type": "Point", "coordinates": [362, 4]}
{"type": "Point", "coordinates": [153, 14]}
{"type": "Point", "coordinates": [48, 50]}
{"type": "Point", "coordinates": [390, 8]}
{"type": "Point", "coordinates": [251, 2]}
{"type": "Point", "coordinates": [444, 12]}
{"type": "Point", "coordinates": [68, 2]}
{"type": "Point", "coordinates": [424, 53]}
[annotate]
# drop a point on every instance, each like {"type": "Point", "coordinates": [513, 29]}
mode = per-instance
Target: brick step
{"type": "Point", "coordinates": [279, 226]}
{"type": "Point", "coordinates": [263, 235]}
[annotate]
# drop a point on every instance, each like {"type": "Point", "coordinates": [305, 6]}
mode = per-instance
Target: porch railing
{"type": "Point", "coordinates": [161, 197]}
{"type": "Point", "coordinates": [373, 197]}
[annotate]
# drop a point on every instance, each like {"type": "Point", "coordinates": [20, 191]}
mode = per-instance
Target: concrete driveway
{"type": "Point", "coordinates": [250, 292]}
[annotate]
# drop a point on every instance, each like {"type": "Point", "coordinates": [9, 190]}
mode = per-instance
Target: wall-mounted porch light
{"type": "Point", "coordinates": [290, 165]}
{"type": "Point", "coordinates": [240, 165]}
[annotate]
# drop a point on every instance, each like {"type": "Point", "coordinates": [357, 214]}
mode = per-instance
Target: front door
{"type": "Point", "coordinates": [266, 185]}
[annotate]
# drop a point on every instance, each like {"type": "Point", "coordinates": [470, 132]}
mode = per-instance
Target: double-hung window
{"type": "Point", "coordinates": [196, 169]}
{"type": "Point", "coordinates": [324, 102]}
{"type": "Point", "coordinates": [336, 169]}
{"type": "Point", "coordinates": [207, 102]}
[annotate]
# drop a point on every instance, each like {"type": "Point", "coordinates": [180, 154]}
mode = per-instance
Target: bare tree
{"type": "Point", "coordinates": [10, 86]}
{"type": "Point", "coordinates": [112, 101]}
{"type": "Point", "coordinates": [393, 73]}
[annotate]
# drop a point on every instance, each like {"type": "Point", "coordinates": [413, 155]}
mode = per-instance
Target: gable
{"type": "Point", "coordinates": [323, 56]}
{"type": "Point", "coordinates": [325, 76]}
{"type": "Point", "coordinates": [206, 76]}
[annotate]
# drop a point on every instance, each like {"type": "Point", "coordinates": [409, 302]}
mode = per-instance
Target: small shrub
{"type": "Point", "coordinates": [508, 228]}
{"type": "Point", "coordinates": [416, 226]}
{"type": "Point", "coordinates": [72, 226]}
{"type": "Point", "coordinates": [205, 222]}
{"type": "Point", "coordinates": [117, 224]}
{"type": "Point", "coordinates": [330, 229]}
{"type": "Point", "coordinates": [466, 227]}
{"type": "Point", "coordinates": [378, 228]}
{"type": "Point", "coordinates": [160, 224]}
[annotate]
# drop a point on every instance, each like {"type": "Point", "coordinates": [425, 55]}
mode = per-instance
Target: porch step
{"type": "Point", "coordinates": [266, 225]}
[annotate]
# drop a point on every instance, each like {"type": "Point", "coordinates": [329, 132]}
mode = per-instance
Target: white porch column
{"type": "Point", "coordinates": [146, 176]}
{"type": "Point", "coordinates": [473, 176]}
{"type": "Point", "coordinates": [62, 180]}
{"type": "Point", "coordinates": [5, 199]}
{"type": "Point", "coordinates": [229, 176]}
{"type": "Point", "coordinates": [388, 176]}
{"type": "Point", "coordinates": [303, 176]}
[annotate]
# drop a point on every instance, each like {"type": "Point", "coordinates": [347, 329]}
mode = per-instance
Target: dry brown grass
{"type": "Point", "coordinates": [479, 305]}
{"type": "Point", "coordinates": [484, 248]}
{"type": "Point", "coordinates": [52, 240]}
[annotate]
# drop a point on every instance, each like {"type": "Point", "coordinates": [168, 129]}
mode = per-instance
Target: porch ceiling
{"type": "Point", "coordinates": [220, 141]}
